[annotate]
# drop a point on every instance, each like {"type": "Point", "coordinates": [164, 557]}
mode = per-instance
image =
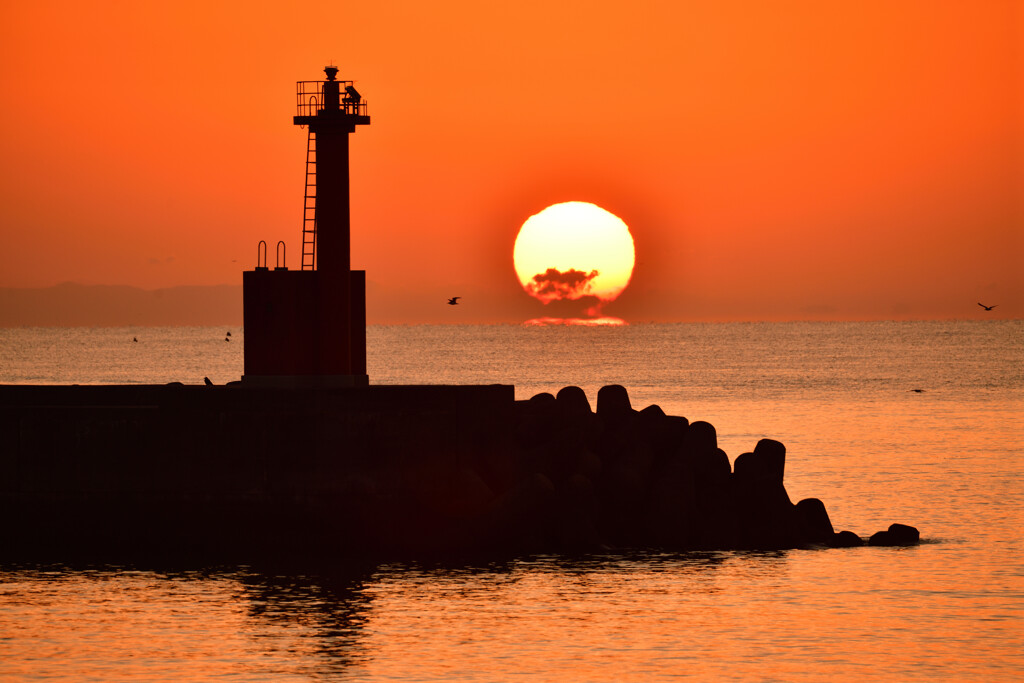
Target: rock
{"type": "Point", "coordinates": [499, 466]}
{"type": "Point", "coordinates": [671, 505]}
{"type": "Point", "coordinates": [613, 402]}
{"type": "Point", "coordinates": [589, 430]}
{"type": "Point", "coordinates": [709, 462]}
{"type": "Point", "coordinates": [468, 495]}
{"type": "Point", "coordinates": [767, 462]}
{"type": "Point", "coordinates": [665, 435]}
{"type": "Point", "coordinates": [897, 534]}
{"type": "Point", "coordinates": [680, 424]}
{"type": "Point", "coordinates": [572, 401]}
{"type": "Point", "coordinates": [576, 515]}
{"type": "Point", "coordinates": [653, 427]}
{"type": "Point", "coordinates": [517, 519]}
{"type": "Point", "coordinates": [578, 478]}
{"type": "Point", "coordinates": [716, 523]}
{"type": "Point", "coordinates": [905, 533]}
{"type": "Point", "coordinates": [845, 539]}
{"type": "Point", "coordinates": [620, 428]}
{"type": "Point", "coordinates": [589, 464]}
{"type": "Point", "coordinates": [623, 494]}
{"type": "Point", "coordinates": [701, 436]}
{"type": "Point", "coordinates": [715, 494]}
{"type": "Point", "coordinates": [542, 400]}
{"type": "Point", "coordinates": [676, 428]}
{"type": "Point", "coordinates": [882, 538]}
{"type": "Point", "coordinates": [815, 526]}
{"type": "Point", "coordinates": [711, 466]}
{"type": "Point", "coordinates": [767, 517]}
{"type": "Point", "coordinates": [357, 487]}
{"type": "Point", "coordinates": [557, 457]}
{"type": "Point", "coordinates": [537, 419]}
{"type": "Point", "coordinates": [653, 412]}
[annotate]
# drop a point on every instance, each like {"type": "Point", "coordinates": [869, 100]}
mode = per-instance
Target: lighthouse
{"type": "Point", "coordinates": [307, 327]}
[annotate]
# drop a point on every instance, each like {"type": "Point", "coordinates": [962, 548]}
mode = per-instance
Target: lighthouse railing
{"type": "Point", "coordinates": [310, 94]}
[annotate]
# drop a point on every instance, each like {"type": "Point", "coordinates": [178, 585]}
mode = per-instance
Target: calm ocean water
{"type": "Point", "coordinates": [841, 396]}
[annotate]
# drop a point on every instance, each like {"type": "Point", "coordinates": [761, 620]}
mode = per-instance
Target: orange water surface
{"type": "Point", "coordinates": [840, 396]}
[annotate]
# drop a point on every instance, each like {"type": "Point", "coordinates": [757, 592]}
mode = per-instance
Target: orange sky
{"type": "Point", "coordinates": [785, 160]}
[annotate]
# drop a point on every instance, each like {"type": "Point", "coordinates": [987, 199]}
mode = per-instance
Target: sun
{"type": "Point", "coordinates": [574, 250]}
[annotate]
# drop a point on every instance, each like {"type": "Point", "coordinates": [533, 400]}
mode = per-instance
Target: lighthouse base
{"type": "Point", "coordinates": [306, 381]}
{"type": "Point", "coordinates": [291, 335]}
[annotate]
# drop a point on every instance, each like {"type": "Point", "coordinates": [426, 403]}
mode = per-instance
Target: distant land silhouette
{"type": "Point", "coordinates": [75, 305]}
{"type": "Point", "coordinates": [70, 305]}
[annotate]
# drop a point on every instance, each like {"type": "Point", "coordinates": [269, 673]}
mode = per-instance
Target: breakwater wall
{"type": "Point", "coordinates": [233, 471]}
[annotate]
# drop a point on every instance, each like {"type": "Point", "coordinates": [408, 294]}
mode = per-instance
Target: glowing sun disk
{"type": "Point", "coordinates": [574, 249]}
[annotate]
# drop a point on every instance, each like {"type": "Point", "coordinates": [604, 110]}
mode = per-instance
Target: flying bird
{"type": "Point", "coordinates": [454, 301]}
{"type": "Point", "coordinates": [987, 308]}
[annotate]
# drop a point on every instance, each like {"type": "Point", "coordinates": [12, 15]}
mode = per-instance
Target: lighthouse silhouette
{"type": "Point", "coordinates": [307, 327]}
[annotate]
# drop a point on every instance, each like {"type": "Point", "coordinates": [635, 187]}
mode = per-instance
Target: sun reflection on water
{"type": "Point", "coordinates": [588, 322]}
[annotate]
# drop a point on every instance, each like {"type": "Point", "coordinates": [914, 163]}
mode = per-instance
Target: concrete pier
{"type": "Point", "coordinates": [247, 472]}
{"type": "Point", "coordinates": [175, 470]}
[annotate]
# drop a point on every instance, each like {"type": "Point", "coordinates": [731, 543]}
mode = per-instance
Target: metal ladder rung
{"type": "Point", "coordinates": [309, 205]}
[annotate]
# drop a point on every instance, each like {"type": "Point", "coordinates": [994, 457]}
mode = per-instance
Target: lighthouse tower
{"type": "Point", "coordinates": [307, 327]}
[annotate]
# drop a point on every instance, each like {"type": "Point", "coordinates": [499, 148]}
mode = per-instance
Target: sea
{"type": "Point", "coordinates": [920, 423]}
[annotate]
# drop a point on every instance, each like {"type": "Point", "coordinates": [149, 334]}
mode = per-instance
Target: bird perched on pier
{"type": "Point", "coordinates": [454, 301]}
{"type": "Point", "coordinates": [987, 308]}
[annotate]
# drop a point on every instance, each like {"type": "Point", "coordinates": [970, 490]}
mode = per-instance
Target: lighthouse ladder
{"type": "Point", "coordinates": [309, 207]}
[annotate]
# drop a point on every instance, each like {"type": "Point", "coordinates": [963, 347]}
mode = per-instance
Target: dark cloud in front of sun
{"type": "Point", "coordinates": [554, 284]}
{"type": "Point", "coordinates": [584, 307]}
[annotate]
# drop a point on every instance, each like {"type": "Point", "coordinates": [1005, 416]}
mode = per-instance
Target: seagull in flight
{"type": "Point", "coordinates": [454, 301]}
{"type": "Point", "coordinates": [987, 308]}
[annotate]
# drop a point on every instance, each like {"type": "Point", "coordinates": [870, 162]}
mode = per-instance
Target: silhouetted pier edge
{"type": "Point", "coordinates": [182, 471]}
